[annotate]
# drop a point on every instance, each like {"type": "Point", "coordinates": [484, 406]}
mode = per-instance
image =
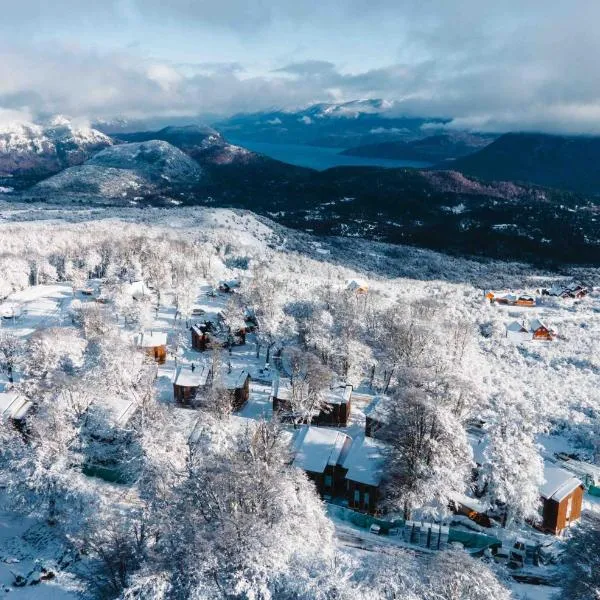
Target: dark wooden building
{"type": "Point", "coordinates": [562, 497]}
{"type": "Point", "coordinates": [320, 453]}
{"type": "Point", "coordinates": [154, 343]}
{"type": "Point", "coordinates": [337, 404]}
{"type": "Point", "coordinates": [364, 467]}
{"type": "Point", "coordinates": [188, 380]}
{"type": "Point", "coordinates": [201, 336]}
{"type": "Point", "coordinates": [237, 384]}
{"type": "Point", "coordinates": [376, 414]}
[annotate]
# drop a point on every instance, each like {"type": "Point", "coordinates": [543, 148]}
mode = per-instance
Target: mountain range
{"type": "Point", "coordinates": [440, 209]}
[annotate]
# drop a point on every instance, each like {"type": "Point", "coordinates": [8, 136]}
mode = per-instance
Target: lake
{"type": "Point", "coordinates": [320, 157]}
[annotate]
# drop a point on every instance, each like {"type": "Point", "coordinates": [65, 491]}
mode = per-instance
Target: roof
{"type": "Point", "coordinates": [230, 283]}
{"type": "Point", "coordinates": [151, 339]}
{"type": "Point", "coordinates": [559, 484]}
{"type": "Point", "coordinates": [236, 379]}
{"type": "Point", "coordinates": [281, 389]}
{"type": "Point", "coordinates": [365, 461]}
{"type": "Point", "coordinates": [340, 394]}
{"type": "Point", "coordinates": [536, 324]}
{"type": "Point", "coordinates": [136, 289]}
{"type": "Point", "coordinates": [517, 327]}
{"type": "Point", "coordinates": [478, 445]}
{"type": "Point", "coordinates": [13, 405]}
{"type": "Point", "coordinates": [186, 377]}
{"type": "Point", "coordinates": [378, 408]}
{"type": "Point", "coordinates": [318, 447]}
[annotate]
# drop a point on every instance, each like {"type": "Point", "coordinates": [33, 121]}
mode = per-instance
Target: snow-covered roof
{"type": "Point", "coordinates": [378, 408]}
{"type": "Point", "coordinates": [338, 395]}
{"type": "Point", "coordinates": [281, 389]}
{"type": "Point", "coordinates": [230, 283]}
{"type": "Point", "coordinates": [236, 379]}
{"type": "Point", "coordinates": [151, 339]}
{"type": "Point", "coordinates": [536, 324]}
{"type": "Point", "coordinates": [136, 289]}
{"type": "Point", "coordinates": [13, 405]}
{"type": "Point", "coordinates": [318, 447]}
{"type": "Point", "coordinates": [559, 483]}
{"type": "Point", "coordinates": [365, 461]}
{"type": "Point", "coordinates": [478, 445]}
{"type": "Point", "coordinates": [186, 377]}
{"type": "Point", "coordinates": [516, 327]}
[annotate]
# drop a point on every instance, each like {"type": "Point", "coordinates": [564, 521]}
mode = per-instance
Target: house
{"type": "Point", "coordinates": [281, 395]}
{"type": "Point", "coordinates": [376, 414]}
{"type": "Point", "coordinates": [321, 453]}
{"type": "Point", "coordinates": [357, 288]}
{"type": "Point", "coordinates": [517, 332]}
{"type": "Point", "coordinates": [154, 343]}
{"type": "Point", "coordinates": [14, 408]}
{"type": "Point", "coordinates": [524, 300]}
{"type": "Point", "coordinates": [364, 466]}
{"type": "Point", "coordinates": [562, 496]}
{"type": "Point", "coordinates": [574, 290]}
{"type": "Point", "coordinates": [238, 384]}
{"type": "Point", "coordinates": [336, 406]}
{"type": "Point", "coordinates": [188, 380]}
{"type": "Point", "coordinates": [201, 335]}
{"type": "Point", "coordinates": [540, 331]}
{"type": "Point", "coordinates": [511, 299]}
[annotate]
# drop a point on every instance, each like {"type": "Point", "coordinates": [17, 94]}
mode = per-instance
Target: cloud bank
{"type": "Point", "coordinates": [527, 65]}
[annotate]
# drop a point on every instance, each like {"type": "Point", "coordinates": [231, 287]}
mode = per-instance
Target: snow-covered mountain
{"type": "Point", "coordinates": [38, 150]}
{"type": "Point", "coordinates": [127, 171]}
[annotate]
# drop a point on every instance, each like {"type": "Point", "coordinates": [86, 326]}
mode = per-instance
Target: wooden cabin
{"type": "Point", "coordinates": [237, 384]}
{"type": "Point", "coordinates": [540, 331]}
{"type": "Point", "coordinates": [525, 301]}
{"type": "Point", "coordinates": [337, 403]}
{"type": "Point", "coordinates": [201, 336]}
{"type": "Point", "coordinates": [14, 409]}
{"type": "Point", "coordinates": [364, 467]}
{"type": "Point", "coordinates": [188, 380]}
{"type": "Point", "coordinates": [562, 497]}
{"type": "Point", "coordinates": [376, 415]}
{"type": "Point", "coordinates": [320, 453]}
{"type": "Point", "coordinates": [154, 343]}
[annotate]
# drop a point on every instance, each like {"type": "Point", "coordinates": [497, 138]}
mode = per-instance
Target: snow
{"type": "Point", "coordinates": [378, 408]}
{"type": "Point", "coordinates": [365, 461]}
{"type": "Point", "coordinates": [236, 379]}
{"type": "Point", "coordinates": [559, 484]}
{"type": "Point", "coordinates": [319, 447]}
{"type": "Point", "coordinates": [151, 339]}
{"type": "Point", "coordinates": [186, 377]}
{"type": "Point", "coordinates": [13, 405]}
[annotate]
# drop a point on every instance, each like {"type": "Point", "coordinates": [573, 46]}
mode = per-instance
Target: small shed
{"type": "Point", "coordinates": [201, 336]}
{"type": "Point", "coordinates": [237, 384]}
{"type": "Point", "coordinates": [365, 467]}
{"type": "Point", "coordinates": [541, 331]}
{"type": "Point", "coordinates": [321, 454]}
{"type": "Point", "coordinates": [281, 394]}
{"type": "Point", "coordinates": [376, 414]}
{"type": "Point", "coordinates": [517, 332]}
{"type": "Point", "coordinates": [188, 380]}
{"type": "Point", "coordinates": [562, 497]}
{"type": "Point", "coordinates": [337, 403]}
{"type": "Point", "coordinates": [154, 343]}
{"type": "Point", "coordinates": [14, 408]}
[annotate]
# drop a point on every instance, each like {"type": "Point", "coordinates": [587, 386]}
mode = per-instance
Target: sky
{"type": "Point", "coordinates": [486, 65]}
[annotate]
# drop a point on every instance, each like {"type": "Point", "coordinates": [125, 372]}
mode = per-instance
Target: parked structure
{"type": "Point", "coordinates": [154, 343]}
{"type": "Point", "coordinates": [189, 380]}
{"type": "Point", "coordinates": [562, 497]}
{"type": "Point", "coordinates": [321, 453]}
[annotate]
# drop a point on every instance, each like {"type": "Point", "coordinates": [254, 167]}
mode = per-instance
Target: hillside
{"type": "Point", "coordinates": [557, 161]}
{"type": "Point", "coordinates": [431, 149]}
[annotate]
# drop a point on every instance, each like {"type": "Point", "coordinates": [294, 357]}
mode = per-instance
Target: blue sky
{"type": "Point", "coordinates": [527, 64]}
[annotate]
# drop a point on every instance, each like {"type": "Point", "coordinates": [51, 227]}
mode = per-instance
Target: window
{"type": "Point", "coordinates": [328, 481]}
{"type": "Point", "coordinates": [569, 508]}
{"type": "Point", "coordinates": [366, 498]}
{"type": "Point", "coordinates": [356, 496]}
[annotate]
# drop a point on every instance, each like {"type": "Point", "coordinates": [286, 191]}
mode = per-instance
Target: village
{"type": "Point", "coordinates": [213, 349]}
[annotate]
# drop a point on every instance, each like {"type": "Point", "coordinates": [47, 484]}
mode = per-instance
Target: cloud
{"type": "Point", "coordinates": [483, 65]}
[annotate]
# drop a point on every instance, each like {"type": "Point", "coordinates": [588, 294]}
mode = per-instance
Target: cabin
{"type": "Point", "coordinates": [364, 467]}
{"type": "Point", "coordinates": [188, 380]}
{"type": "Point", "coordinates": [360, 289]}
{"type": "Point", "coordinates": [574, 290]}
{"type": "Point", "coordinates": [337, 405]}
{"type": "Point", "coordinates": [540, 331]}
{"type": "Point", "coordinates": [525, 301]}
{"type": "Point", "coordinates": [14, 409]}
{"type": "Point", "coordinates": [201, 335]}
{"type": "Point", "coordinates": [237, 384]}
{"type": "Point", "coordinates": [517, 332]}
{"type": "Point", "coordinates": [376, 415]}
{"type": "Point", "coordinates": [562, 497]}
{"type": "Point", "coordinates": [281, 395]}
{"type": "Point", "coordinates": [321, 453]}
{"type": "Point", "coordinates": [154, 343]}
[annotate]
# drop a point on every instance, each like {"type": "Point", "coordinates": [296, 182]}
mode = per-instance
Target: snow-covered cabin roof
{"type": "Point", "coordinates": [281, 389]}
{"type": "Point", "coordinates": [536, 324]}
{"type": "Point", "coordinates": [136, 289]}
{"type": "Point", "coordinates": [340, 394]}
{"type": "Point", "coordinates": [365, 461]}
{"type": "Point", "coordinates": [559, 483]}
{"type": "Point", "coordinates": [230, 284]}
{"type": "Point", "coordinates": [378, 409]}
{"type": "Point", "coordinates": [317, 447]}
{"type": "Point", "coordinates": [151, 339]}
{"type": "Point", "coordinates": [13, 405]}
{"type": "Point", "coordinates": [236, 379]}
{"type": "Point", "coordinates": [186, 377]}
{"type": "Point", "coordinates": [516, 327]}
{"type": "Point", "coordinates": [478, 445]}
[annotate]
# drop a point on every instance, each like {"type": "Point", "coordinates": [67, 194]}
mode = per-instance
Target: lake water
{"type": "Point", "coordinates": [320, 157]}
